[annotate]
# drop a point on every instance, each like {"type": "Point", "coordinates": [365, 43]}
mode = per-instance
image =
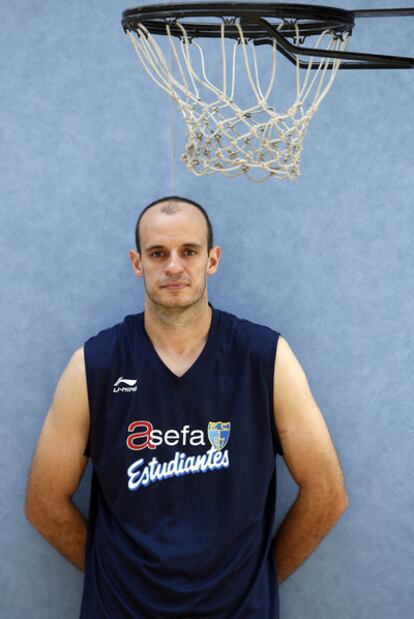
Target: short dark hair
{"type": "Point", "coordinates": [167, 209]}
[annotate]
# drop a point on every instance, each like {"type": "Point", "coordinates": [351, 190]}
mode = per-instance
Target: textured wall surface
{"type": "Point", "coordinates": [327, 260]}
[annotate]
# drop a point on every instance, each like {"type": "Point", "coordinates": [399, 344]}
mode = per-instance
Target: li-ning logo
{"type": "Point", "coordinates": [131, 384]}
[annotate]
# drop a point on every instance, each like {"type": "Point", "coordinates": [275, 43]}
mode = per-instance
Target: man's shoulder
{"type": "Point", "coordinates": [126, 321]}
{"type": "Point", "coordinates": [107, 337]}
{"type": "Point", "coordinates": [247, 325]}
{"type": "Point", "coordinates": [251, 336]}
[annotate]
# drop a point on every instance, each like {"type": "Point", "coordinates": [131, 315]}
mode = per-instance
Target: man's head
{"type": "Point", "coordinates": [171, 204]}
{"type": "Point", "coordinates": [174, 241]}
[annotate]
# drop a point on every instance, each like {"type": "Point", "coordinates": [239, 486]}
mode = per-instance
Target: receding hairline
{"type": "Point", "coordinates": [173, 206]}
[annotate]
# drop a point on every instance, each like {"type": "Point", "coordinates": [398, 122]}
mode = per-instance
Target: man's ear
{"type": "Point", "coordinates": [136, 262]}
{"type": "Point", "coordinates": [213, 260]}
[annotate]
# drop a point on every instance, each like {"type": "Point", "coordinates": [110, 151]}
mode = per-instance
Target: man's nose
{"type": "Point", "coordinates": [174, 263]}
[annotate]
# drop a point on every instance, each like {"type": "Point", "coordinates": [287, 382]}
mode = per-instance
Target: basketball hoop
{"type": "Point", "coordinates": [257, 137]}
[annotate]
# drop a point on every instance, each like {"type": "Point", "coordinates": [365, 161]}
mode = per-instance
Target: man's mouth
{"type": "Point", "coordinates": [176, 286]}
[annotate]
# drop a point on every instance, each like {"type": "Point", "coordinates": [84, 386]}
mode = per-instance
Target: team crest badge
{"type": "Point", "coordinates": [218, 433]}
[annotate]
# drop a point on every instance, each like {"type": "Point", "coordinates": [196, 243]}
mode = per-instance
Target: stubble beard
{"type": "Point", "coordinates": [175, 304]}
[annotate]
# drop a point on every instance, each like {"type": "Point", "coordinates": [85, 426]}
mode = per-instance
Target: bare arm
{"type": "Point", "coordinates": [58, 465]}
{"type": "Point", "coordinates": [312, 461]}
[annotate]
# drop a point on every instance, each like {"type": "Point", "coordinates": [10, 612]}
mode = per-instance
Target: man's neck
{"type": "Point", "coordinates": [178, 331]}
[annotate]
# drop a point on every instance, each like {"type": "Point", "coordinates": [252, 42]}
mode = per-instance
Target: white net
{"type": "Point", "coordinates": [222, 135]}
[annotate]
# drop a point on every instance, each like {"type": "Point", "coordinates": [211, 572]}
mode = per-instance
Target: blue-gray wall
{"type": "Point", "coordinates": [327, 260]}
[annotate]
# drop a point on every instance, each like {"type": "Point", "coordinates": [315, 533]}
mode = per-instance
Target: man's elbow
{"type": "Point", "coordinates": [339, 503]}
{"type": "Point", "coordinates": [33, 511]}
{"type": "Point", "coordinates": [344, 502]}
{"type": "Point", "coordinates": [28, 506]}
{"type": "Point", "coordinates": [40, 511]}
{"type": "Point", "coordinates": [327, 498]}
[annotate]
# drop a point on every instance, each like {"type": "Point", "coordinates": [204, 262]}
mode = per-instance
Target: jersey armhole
{"type": "Point", "coordinates": [87, 450]}
{"type": "Point", "coordinates": [278, 444]}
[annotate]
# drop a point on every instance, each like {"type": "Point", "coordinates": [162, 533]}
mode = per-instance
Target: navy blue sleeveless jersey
{"type": "Point", "coordinates": [183, 489]}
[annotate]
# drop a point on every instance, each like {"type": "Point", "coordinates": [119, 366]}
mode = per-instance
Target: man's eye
{"type": "Point", "coordinates": [156, 253]}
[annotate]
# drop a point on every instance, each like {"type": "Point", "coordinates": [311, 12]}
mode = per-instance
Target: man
{"type": "Point", "coordinates": [182, 409]}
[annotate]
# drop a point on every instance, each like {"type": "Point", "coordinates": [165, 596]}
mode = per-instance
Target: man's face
{"type": "Point", "coordinates": [174, 260]}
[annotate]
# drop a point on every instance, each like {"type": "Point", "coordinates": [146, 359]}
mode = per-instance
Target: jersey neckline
{"type": "Point", "coordinates": [198, 364]}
